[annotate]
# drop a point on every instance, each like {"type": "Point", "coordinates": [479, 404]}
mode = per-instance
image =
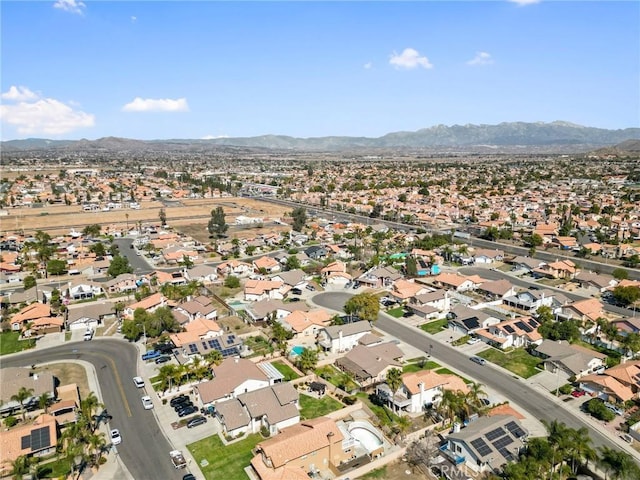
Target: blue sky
{"type": "Point", "coordinates": [153, 70]}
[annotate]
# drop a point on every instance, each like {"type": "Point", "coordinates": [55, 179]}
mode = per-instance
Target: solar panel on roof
{"type": "Point", "coordinates": [231, 338]}
{"type": "Point", "coordinates": [211, 344]}
{"type": "Point", "coordinates": [509, 329]}
{"type": "Point", "coordinates": [515, 429]}
{"type": "Point", "coordinates": [193, 348]}
{"type": "Point", "coordinates": [482, 448]}
{"type": "Point", "coordinates": [503, 442]}
{"type": "Point", "coordinates": [25, 442]}
{"type": "Point", "coordinates": [40, 438]}
{"type": "Point", "coordinates": [493, 434]}
{"type": "Point", "coordinates": [533, 323]}
{"type": "Point", "coordinates": [506, 454]}
{"type": "Point", "coordinates": [524, 326]}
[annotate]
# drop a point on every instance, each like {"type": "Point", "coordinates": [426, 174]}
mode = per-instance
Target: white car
{"type": "Point", "coordinates": [116, 439]}
{"type": "Point", "coordinates": [473, 340]}
{"type": "Point", "coordinates": [146, 402]}
{"type": "Point", "coordinates": [138, 381]}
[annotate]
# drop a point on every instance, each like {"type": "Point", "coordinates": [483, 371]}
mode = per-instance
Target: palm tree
{"type": "Point", "coordinates": [618, 463]}
{"type": "Point", "coordinates": [580, 448]}
{"type": "Point", "coordinates": [214, 357]}
{"type": "Point", "coordinates": [88, 407]}
{"type": "Point", "coordinates": [96, 443]}
{"type": "Point", "coordinates": [450, 403]}
{"type": "Point", "coordinates": [394, 381]}
{"type": "Point", "coordinates": [23, 394]}
{"type": "Point", "coordinates": [43, 402]}
{"type": "Point", "coordinates": [476, 394]}
{"type": "Point", "coordinates": [559, 438]}
{"type": "Point", "coordinates": [19, 467]}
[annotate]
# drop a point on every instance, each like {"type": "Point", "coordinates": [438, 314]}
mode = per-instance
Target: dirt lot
{"type": "Point", "coordinates": [59, 219]}
{"type": "Point", "coordinates": [68, 373]}
{"type": "Point", "coordinates": [397, 470]}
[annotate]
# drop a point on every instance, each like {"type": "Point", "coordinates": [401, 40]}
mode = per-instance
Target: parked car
{"type": "Point", "coordinates": [627, 438]}
{"type": "Point", "coordinates": [294, 299]}
{"type": "Point", "coordinates": [138, 382]}
{"type": "Point", "coordinates": [181, 406]}
{"type": "Point", "coordinates": [478, 360]}
{"type": "Point", "coordinates": [189, 476]}
{"type": "Point", "coordinates": [195, 421]}
{"type": "Point", "coordinates": [179, 399]}
{"type": "Point", "coordinates": [296, 291]}
{"type": "Point", "coordinates": [146, 402]}
{"type": "Point", "coordinates": [614, 409]}
{"type": "Point", "coordinates": [310, 287]}
{"type": "Point", "coordinates": [116, 438]}
{"type": "Point", "coordinates": [151, 355]}
{"type": "Point", "coordinates": [187, 411]}
{"type": "Point", "coordinates": [88, 335]}
{"type": "Point", "coordinates": [163, 359]}
{"type": "Point", "coordinates": [473, 340]}
{"type": "Point", "coordinates": [578, 393]}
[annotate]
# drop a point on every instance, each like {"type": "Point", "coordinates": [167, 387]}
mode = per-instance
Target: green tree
{"type": "Point", "coordinates": [394, 380]}
{"type": "Point", "coordinates": [620, 465]}
{"type": "Point", "coordinates": [293, 262]}
{"type": "Point", "coordinates": [29, 282]}
{"type": "Point", "coordinates": [232, 282]}
{"type": "Point", "coordinates": [99, 249]}
{"type": "Point", "coordinates": [21, 396]}
{"type": "Point", "coordinates": [364, 305]}
{"type": "Point", "coordinates": [19, 467]}
{"type": "Point", "coordinates": [56, 267]}
{"type": "Point", "coordinates": [118, 266]}
{"type": "Point", "coordinates": [217, 224]}
{"type": "Point", "coordinates": [299, 215]}
{"type": "Point", "coordinates": [162, 215]}
{"type": "Point", "coordinates": [92, 230]}
{"type": "Point", "coordinates": [626, 295]}
{"type": "Point", "coordinates": [214, 357]}
{"type": "Point", "coordinates": [411, 266]}
{"type": "Point", "coordinates": [307, 360]}
{"type": "Point", "coordinates": [476, 394]}
{"type": "Point", "coordinates": [620, 274]}
{"type": "Point", "coordinates": [43, 401]}
{"type": "Point", "coordinates": [131, 330]}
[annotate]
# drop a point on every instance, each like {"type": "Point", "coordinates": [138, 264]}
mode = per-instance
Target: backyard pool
{"type": "Point", "coordinates": [365, 435]}
{"type": "Point", "coordinates": [297, 350]}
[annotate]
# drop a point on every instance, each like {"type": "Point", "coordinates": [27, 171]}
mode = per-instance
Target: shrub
{"type": "Point", "coordinates": [264, 431]}
{"type": "Point", "coordinates": [350, 400]}
{"type": "Point", "coordinates": [597, 409]}
{"type": "Point", "coordinates": [10, 421]}
{"type": "Point", "coordinates": [566, 389]}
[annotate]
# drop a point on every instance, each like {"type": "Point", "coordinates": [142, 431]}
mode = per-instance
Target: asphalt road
{"type": "Point", "coordinates": [510, 387]}
{"type": "Point", "coordinates": [144, 449]}
{"type": "Point", "coordinates": [138, 262]}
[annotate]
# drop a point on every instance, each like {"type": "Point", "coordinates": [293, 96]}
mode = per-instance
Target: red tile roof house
{"type": "Point", "coordinates": [404, 290]}
{"type": "Point", "coordinates": [255, 290]}
{"type": "Point", "coordinates": [29, 314]}
{"type": "Point", "coordinates": [607, 387]}
{"type": "Point", "coordinates": [266, 265]}
{"type": "Point", "coordinates": [558, 269]}
{"type": "Point", "coordinates": [306, 324]}
{"type": "Point", "coordinates": [589, 309]}
{"type": "Point", "coordinates": [18, 441]}
{"type": "Point", "coordinates": [149, 304]}
{"type": "Point", "coordinates": [456, 282]}
{"type": "Point", "coordinates": [236, 268]}
{"type": "Point", "coordinates": [300, 450]}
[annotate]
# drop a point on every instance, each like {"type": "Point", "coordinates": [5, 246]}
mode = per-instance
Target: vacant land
{"type": "Point", "coordinates": [517, 361]}
{"type": "Point", "coordinates": [68, 373]}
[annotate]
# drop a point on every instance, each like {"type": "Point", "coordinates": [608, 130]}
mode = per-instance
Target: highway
{"type": "Point", "coordinates": [144, 449]}
{"type": "Point", "coordinates": [511, 387]}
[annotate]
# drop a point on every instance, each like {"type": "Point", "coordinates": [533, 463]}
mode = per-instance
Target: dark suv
{"type": "Point", "coordinates": [194, 422]}
{"type": "Point", "coordinates": [179, 399]}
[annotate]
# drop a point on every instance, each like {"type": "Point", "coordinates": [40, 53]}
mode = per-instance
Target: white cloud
{"type": "Point", "coordinates": [368, 65]}
{"type": "Point", "coordinates": [156, 105]}
{"type": "Point", "coordinates": [18, 94]}
{"type": "Point", "coordinates": [523, 3]}
{"type": "Point", "coordinates": [481, 58]}
{"type": "Point", "coordinates": [71, 6]}
{"type": "Point", "coordinates": [133, 19]}
{"type": "Point", "coordinates": [34, 115]}
{"type": "Point", "coordinates": [409, 59]}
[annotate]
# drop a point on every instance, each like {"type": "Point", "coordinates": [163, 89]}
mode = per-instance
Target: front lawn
{"type": "Point", "coordinates": [518, 361]}
{"type": "Point", "coordinates": [285, 370]}
{"type": "Point", "coordinates": [226, 462]}
{"type": "Point", "coordinates": [435, 326]}
{"type": "Point", "coordinates": [311, 407]}
{"type": "Point", "coordinates": [396, 312]}
{"type": "Point", "coordinates": [422, 365]}
{"type": "Point", "coordinates": [10, 343]}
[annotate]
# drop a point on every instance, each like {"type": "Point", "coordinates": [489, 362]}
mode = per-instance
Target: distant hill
{"type": "Point", "coordinates": [628, 148]}
{"type": "Point", "coordinates": [553, 136]}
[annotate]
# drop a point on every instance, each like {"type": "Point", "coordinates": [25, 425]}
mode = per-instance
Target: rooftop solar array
{"type": "Point", "coordinates": [515, 429]}
{"type": "Point", "coordinates": [38, 439]}
{"type": "Point", "coordinates": [509, 329]}
{"type": "Point", "coordinates": [493, 434]}
{"type": "Point", "coordinates": [193, 348]}
{"type": "Point", "coordinates": [482, 448]}
{"type": "Point", "coordinates": [503, 442]}
{"type": "Point", "coordinates": [524, 326]}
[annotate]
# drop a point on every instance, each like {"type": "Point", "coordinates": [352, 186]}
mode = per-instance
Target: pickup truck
{"type": "Point", "coordinates": [151, 355]}
{"type": "Point", "coordinates": [177, 459]}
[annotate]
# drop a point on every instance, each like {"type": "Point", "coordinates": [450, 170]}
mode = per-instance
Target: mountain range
{"type": "Point", "coordinates": [549, 136]}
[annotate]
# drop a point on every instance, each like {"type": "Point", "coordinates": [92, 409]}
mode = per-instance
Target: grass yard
{"type": "Point", "coordinates": [435, 326]}
{"type": "Point", "coordinates": [225, 462]}
{"type": "Point", "coordinates": [56, 469]}
{"type": "Point", "coordinates": [316, 407]}
{"type": "Point", "coordinates": [396, 312]}
{"type": "Point", "coordinates": [259, 345]}
{"type": "Point", "coordinates": [377, 473]}
{"type": "Point", "coordinates": [337, 378]}
{"type": "Point", "coordinates": [446, 371]}
{"type": "Point", "coordinates": [384, 414]}
{"type": "Point", "coordinates": [416, 367]}
{"type": "Point", "coordinates": [10, 343]}
{"type": "Point", "coordinates": [517, 361]}
{"type": "Point", "coordinates": [285, 370]}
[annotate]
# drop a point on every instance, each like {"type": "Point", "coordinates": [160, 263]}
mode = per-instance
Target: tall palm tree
{"type": "Point", "coordinates": [618, 463]}
{"type": "Point", "coordinates": [96, 444]}
{"type": "Point", "coordinates": [476, 394]}
{"type": "Point", "coordinates": [450, 403]}
{"type": "Point", "coordinates": [559, 438]}
{"type": "Point", "coordinates": [43, 402]}
{"type": "Point", "coordinates": [394, 381]}
{"type": "Point", "coordinates": [23, 394]}
{"type": "Point", "coordinates": [580, 448]}
{"type": "Point", "coordinates": [214, 357]}
{"type": "Point", "coordinates": [88, 407]}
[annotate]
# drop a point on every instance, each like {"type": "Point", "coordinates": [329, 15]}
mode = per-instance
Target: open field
{"type": "Point", "coordinates": [68, 373]}
{"type": "Point", "coordinates": [59, 219]}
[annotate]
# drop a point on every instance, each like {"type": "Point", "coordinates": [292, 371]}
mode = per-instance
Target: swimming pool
{"type": "Point", "coordinates": [365, 435]}
{"type": "Point", "coordinates": [297, 350]}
